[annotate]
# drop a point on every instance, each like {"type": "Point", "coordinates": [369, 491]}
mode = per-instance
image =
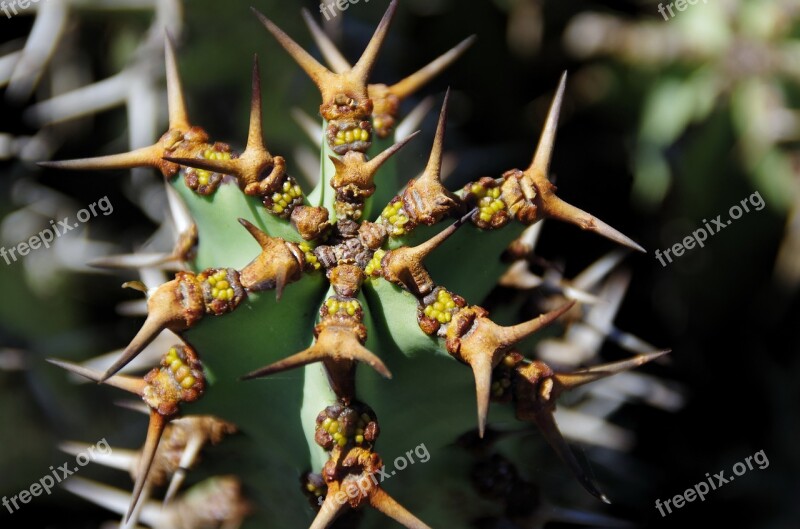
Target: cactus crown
{"type": "Point", "coordinates": [355, 281]}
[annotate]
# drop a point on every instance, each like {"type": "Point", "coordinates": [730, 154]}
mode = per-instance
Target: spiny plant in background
{"type": "Point", "coordinates": [352, 270]}
{"type": "Point", "coordinates": [727, 57]}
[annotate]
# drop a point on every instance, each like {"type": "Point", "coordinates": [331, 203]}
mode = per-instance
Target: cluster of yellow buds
{"type": "Point", "coordinates": [394, 218]}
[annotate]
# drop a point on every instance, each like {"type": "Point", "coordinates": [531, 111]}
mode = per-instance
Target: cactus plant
{"type": "Point", "coordinates": [359, 276]}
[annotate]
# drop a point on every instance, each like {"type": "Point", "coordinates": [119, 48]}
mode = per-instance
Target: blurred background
{"type": "Point", "coordinates": [668, 121]}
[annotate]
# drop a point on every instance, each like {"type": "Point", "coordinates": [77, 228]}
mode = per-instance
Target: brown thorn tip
{"type": "Point", "coordinates": [74, 368]}
{"type": "Point", "coordinates": [434, 242]}
{"type": "Point", "coordinates": [261, 237]}
{"type": "Point", "coordinates": [381, 158]}
{"type": "Point", "coordinates": [381, 501]}
{"type": "Point", "coordinates": [178, 116]}
{"type": "Point", "coordinates": [578, 378]}
{"type": "Point", "coordinates": [144, 157]}
{"type": "Point", "coordinates": [547, 425]}
{"type": "Point", "coordinates": [364, 355]}
{"type": "Point", "coordinates": [129, 384]}
{"type": "Point", "coordinates": [154, 431]}
{"type": "Point", "coordinates": [363, 67]}
{"type": "Point", "coordinates": [316, 353]}
{"type": "Point", "coordinates": [255, 136]}
{"type": "Point", "coordinates": [300, 359]}
{"type": "Point", "coordinates": [281, 280]}
{"type": "Point", "coordinates": [541, 159]}
{"type": "Point", "coordinates": [416, 80]}
{"type": "Point", "coordinates": [519, 332]}
{"type": "Point", "coordinates": [332, 55]}
{"type": "Point", "coordinates": [309, 64]}
{"type": "Point", "coordinates": [434, 166]}
{"type": "Point", "coordinates": [556, 208]}
{"type": "Point", "coordinates": [151, 328]}
{"type": "Point", "coordinates": [482, 370]}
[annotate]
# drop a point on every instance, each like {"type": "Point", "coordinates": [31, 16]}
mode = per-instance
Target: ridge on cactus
{"type": "Point", "coordinates": [354, 282]}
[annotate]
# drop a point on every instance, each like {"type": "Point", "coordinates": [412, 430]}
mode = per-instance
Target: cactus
{"type": "Point", "coordinates": [360, 276]}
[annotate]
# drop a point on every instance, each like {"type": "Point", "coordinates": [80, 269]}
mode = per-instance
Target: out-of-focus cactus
{"type": "Point", "coordinates": [731, 59]}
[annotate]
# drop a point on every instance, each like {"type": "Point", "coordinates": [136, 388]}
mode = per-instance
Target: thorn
{"type": "Point", "coordinates": [176, 305]}
{"type": "Point", "coordinates": [154, 431]}
{"type": "Point", "coordinates": [547, 425]}
{"type": "Point", "coordinates": [188, 460]}
{"type": "Point", "coordinates": [129, 384]}
{"type": "Point", "coordinates": [520, 277]}
{"type": "Point", "coordinates": [381, 501]}
{"type": "Point", "coordinates": [331, 345]}
{"type": "Point", "coordinates": [484, 344]}
{"type": "Point", "coordinates": [135, 285]}
{"type": "Point", "coordinates": [362, 69]}
{"type": "Point", "coordinates": [310, 126]}
{"type": "Point", "coordinates": [251, 164]}
{"type": "Point", "coordinates": [415, 81]}
{"type": "Point", "coordinates": [181, 215]}
{"type": "Point", "coordinates": [133, 520]}
{"type": "Point", "coordinates": [300, 359]}
{"type": "Point", "coordinates": [255, 136]}
{"type": "Point", "coordinates": [522, 247]}
{"type": "Point", "coordinates": [317, 72]}
{"type": "Point", "coordinates": [482, 370]}
{"type": "Point", "coordinates": [568, 381]}
{"type": "Point", "coordinates": [281, 280]}
{"type": "Point", "coordinates": [99, 494]}
{"type": "Point", "coordinates": [556, 208]}
{"type": "Point", "coordinates": [540, 165]}
{"type": "Point", "coordinates": [424, 250]}
{"type": "Point", "coordinates": [375, 163]}
{"type": "Point", "coordinates": [330, 510]}
{"type": "Point", "coordinates": [137, 406]}
{"type": "Point", "coordinates": [433, 169]}
{"type": "Point", "coordinates": [152, 327]}
{"type": "Point", "coordinates": [153, 155]}
{"type": "Point", "coordinates": [278, 264]}
{"type": "Point", "coordinates": [404, 266]}
{"type": "Point", "coordinates": [353, 170]}
{"type": "Point", "coordinates": [133, 261]}
{"type": "Point", "coordinates": [260, 236]}
{"type": "Point", "coordinates": [144, 157]}
{"type": "Point", "coordinates": [413, 119]}
{"type": "Point", "coordinates": [516, 333]}
{"type": "Point", "coordinates": [119, 459]}
{"type": "Point", "coordinates": [178, 116]}
{"type": "Point", "coordinates": [332, 55]}
{"type": "Point", "coordinates": [546, 200]}
{"type": "Point", "coordinates": [425, 199]}
{"type": "Point", "coordinates": [594, 273]}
